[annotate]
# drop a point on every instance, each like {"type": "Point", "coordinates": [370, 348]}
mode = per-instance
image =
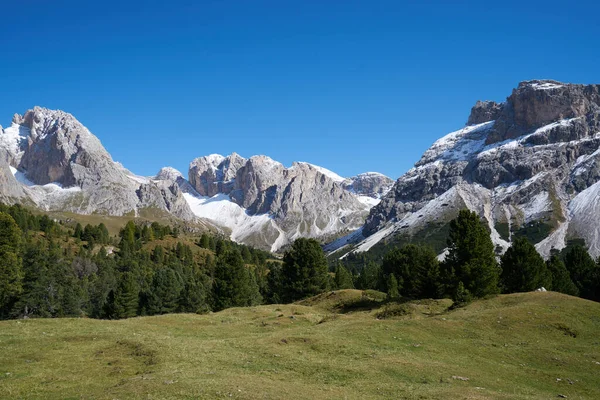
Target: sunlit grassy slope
{"type": "Point", "coordinates": [528, 346]}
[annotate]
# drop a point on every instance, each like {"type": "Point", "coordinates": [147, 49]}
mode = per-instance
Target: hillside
{"type": "Point", "coordinates": [520, 346]}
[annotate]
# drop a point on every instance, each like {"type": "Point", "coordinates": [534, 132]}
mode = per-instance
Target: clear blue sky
{"type": "Point", "coordinates": [352, 86]}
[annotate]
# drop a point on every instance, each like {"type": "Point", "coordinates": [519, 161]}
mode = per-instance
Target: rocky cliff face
{"type": "Point", "coordinates": [528, 164]}
{"type": "Point", "coordinates": [371, 184]}
{"type": "Point", "coordinates": [61, 165]}
{"type": "Point", "coordinates": [272, 205]}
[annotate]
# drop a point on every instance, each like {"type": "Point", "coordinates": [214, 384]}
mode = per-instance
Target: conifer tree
{"type": "Point", "coordinates": [11, 264]}
{"type": "Point", "coordinates": [392, 287]}
{"type": "Point", "coordinates": [561, 280]}
{"type": "Point", "coordinates": [274, 283]}
{"type": "Point", "coordinates": [416, 269]}
{"type": "Point", "coordinates": [523, 269]}
{"type": "Point", "coordinates": [585, 273]}
{"type": "Point", "coordinates": [343, 278]}
{"type": "Point", "coordinates": [165, 292]}
{"type": "Point", "coordinates": [305, 271]}
{"type": "Point", "coordinates": [471, 258]}
{"type": "Point", "coordinates": [371, 277]}
{"type": "Point", "coordinates": [125, 297]}
{"type": "Point", "coordinates": [232, 285]}
{"type": "Point", "coordinates": [204, 241]}
{"type": "Point", "coordinates": [78, 231]}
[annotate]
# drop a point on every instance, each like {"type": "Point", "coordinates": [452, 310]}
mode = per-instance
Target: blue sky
{"type": "Point", "coordinates": [352, 86]}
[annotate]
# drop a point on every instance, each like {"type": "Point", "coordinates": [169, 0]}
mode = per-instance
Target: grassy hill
{"type": "Point", "coordinates": [335, 346]}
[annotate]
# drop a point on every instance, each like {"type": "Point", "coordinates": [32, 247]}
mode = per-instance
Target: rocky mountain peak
{"type": "Point", "coordinates": [484, 111]}
{"type": "Point", "coordinates": [537, 103]}
{"type": "Point", "coordinates": [371, 184]}
{"type": "Point", "coordinates": [59, 148]}
{"type": "Point", "coordinates": [531, 164]}
{"type": "Point", "coordinates": [168, 174]}
{"type": "Point", "coordinates": [214, 174]}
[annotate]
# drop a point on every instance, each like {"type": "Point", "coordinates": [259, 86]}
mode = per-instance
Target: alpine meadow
{"type": "Point", "coordinates": [467, 268]}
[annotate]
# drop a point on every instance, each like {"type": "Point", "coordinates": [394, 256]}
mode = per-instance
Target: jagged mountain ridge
{"type": "Point", "coordinates": [268, 205]}
{"type": "Point", "coordinates": [50, 160]}
{"type": "Point", "coordinates": [61, 166]}
{"type": "Point", "coordinates": [531, 161]}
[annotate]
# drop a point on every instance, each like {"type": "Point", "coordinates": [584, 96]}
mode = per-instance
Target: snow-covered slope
{"type": "Point", "coordinates": [529, 166]}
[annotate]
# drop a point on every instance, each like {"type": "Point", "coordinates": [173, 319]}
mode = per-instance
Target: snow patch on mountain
{"type": "Point", "coordinates": [458, 145]}
{"type": "Point", "coordinates": [335, 177]}
{"type": "Point", "coordinates": [224, 212]}
{"type": "Point", "coordinates": [372, 240]}
{"type": "Point", "coordinates": [13, 139]}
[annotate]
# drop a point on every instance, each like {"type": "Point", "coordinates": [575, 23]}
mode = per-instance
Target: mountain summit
{"type": "Point", "coordinates": [529, 166]}
{"type": "Point", "coordinates": [50, 160]}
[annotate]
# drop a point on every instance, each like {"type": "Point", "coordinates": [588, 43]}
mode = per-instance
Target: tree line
{"type": "Point", "coordinates": [52, 269]}
{"type": "Point", "coordinates": [471, 269]}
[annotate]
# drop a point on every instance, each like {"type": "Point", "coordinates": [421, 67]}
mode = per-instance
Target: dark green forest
{"type": "Point", "coordinates": [54, 268]}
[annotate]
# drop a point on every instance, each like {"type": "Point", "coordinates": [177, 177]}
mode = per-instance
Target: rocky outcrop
{"type": "Point", "coordinates": [537, 103]}
{"type": "Point", "coordinates": [11, 191]}
{"type": "Point", "coordinates": [536, 163]}
{"type": "Point", "coordinates": [215, 174]}
{"type": "Point", "coordinates": [484, 111]}
{"type": "Point", "coordinates": [372, 184]}
{"type": "Point", "coordinates": [64, 167]}
{"type": "Point", "coordinates": [300, 201]}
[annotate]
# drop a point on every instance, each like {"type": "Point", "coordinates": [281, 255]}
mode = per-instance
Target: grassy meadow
{"type": "Point", "coordinates": [339, 345]}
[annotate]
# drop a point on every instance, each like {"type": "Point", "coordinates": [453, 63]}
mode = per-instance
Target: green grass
{"type": "Point", "coordinates": [521, 346]}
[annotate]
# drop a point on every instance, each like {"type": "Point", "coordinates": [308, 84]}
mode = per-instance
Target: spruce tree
{"type": "Point", "coordinates": [165, 291]}
{"type": "Point", "coordinates": [523, 269]}
{"type": "Point", "coordinates": [204, 241]}
{"type": "Point", "coordinates": [274, 283]}
{"type": "Point", "coordinates": [126, 297]}
{"type": "Point", "coordinates": [371, 277]}
{"type": "Point", "coordinates": [78, 233]}
{"type": "Point", "coordinates": [561, 280]}
{"type": "Point", "coordinates": [232, 285]}
{"type": "Point", "coordinates": [11, 264]}
{"type": "Point", "coordinates": [392, 287]}
{"type": "Point", "coordinates": [471, 258]}
{"type": "Point", "coordinates": [416, 269]}
{"type": "Point", "coordinates": [343, 278]}
{"type": "Point", "coordinates": [304, 270]}
{"type": "Point", "coordinates": [585, 273]}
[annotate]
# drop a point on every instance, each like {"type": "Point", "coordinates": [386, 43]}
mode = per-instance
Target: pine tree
{"type": "Point", "coordinates": [561, 280]}
{"type": "Point", "coordinates": [78, 231]}
{"type": "Point", "coordinates": [585, 273]}
{"type": "Point", "coordinates": [165, 292]}
{"type": "Point", "coordinates": [392, 287]}
{"type": "Point", "coordinates": [371, 277]}
{"type": "Point", "coordinates": [232, 285]}
{"type": "Point", "coordinates": [471, 258]}
{"type": "Point", "coordinates": [343, 278]}
{"type": "Point", "coordinates": [204, 241]}
{"type": "Point", "coordinates": [305, 271]}
{"type": "Point", "coordinates": [11, 264]}
{"type": "Point", "coordinates": [523, 269]}
{"type": "Point", "coordinates": [416, 269]}
{"type": "Point", "coordinates": [126, 297]}
{"type": "Point", "coordinates": [274, 283]}
{"type": "Point", "coordinates": [461, 295]}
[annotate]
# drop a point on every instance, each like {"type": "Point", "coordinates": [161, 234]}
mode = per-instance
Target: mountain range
{"type": "Point", "coordinates": [50, 160]}
{"type": "Point", "coordinates": [530, 166]}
